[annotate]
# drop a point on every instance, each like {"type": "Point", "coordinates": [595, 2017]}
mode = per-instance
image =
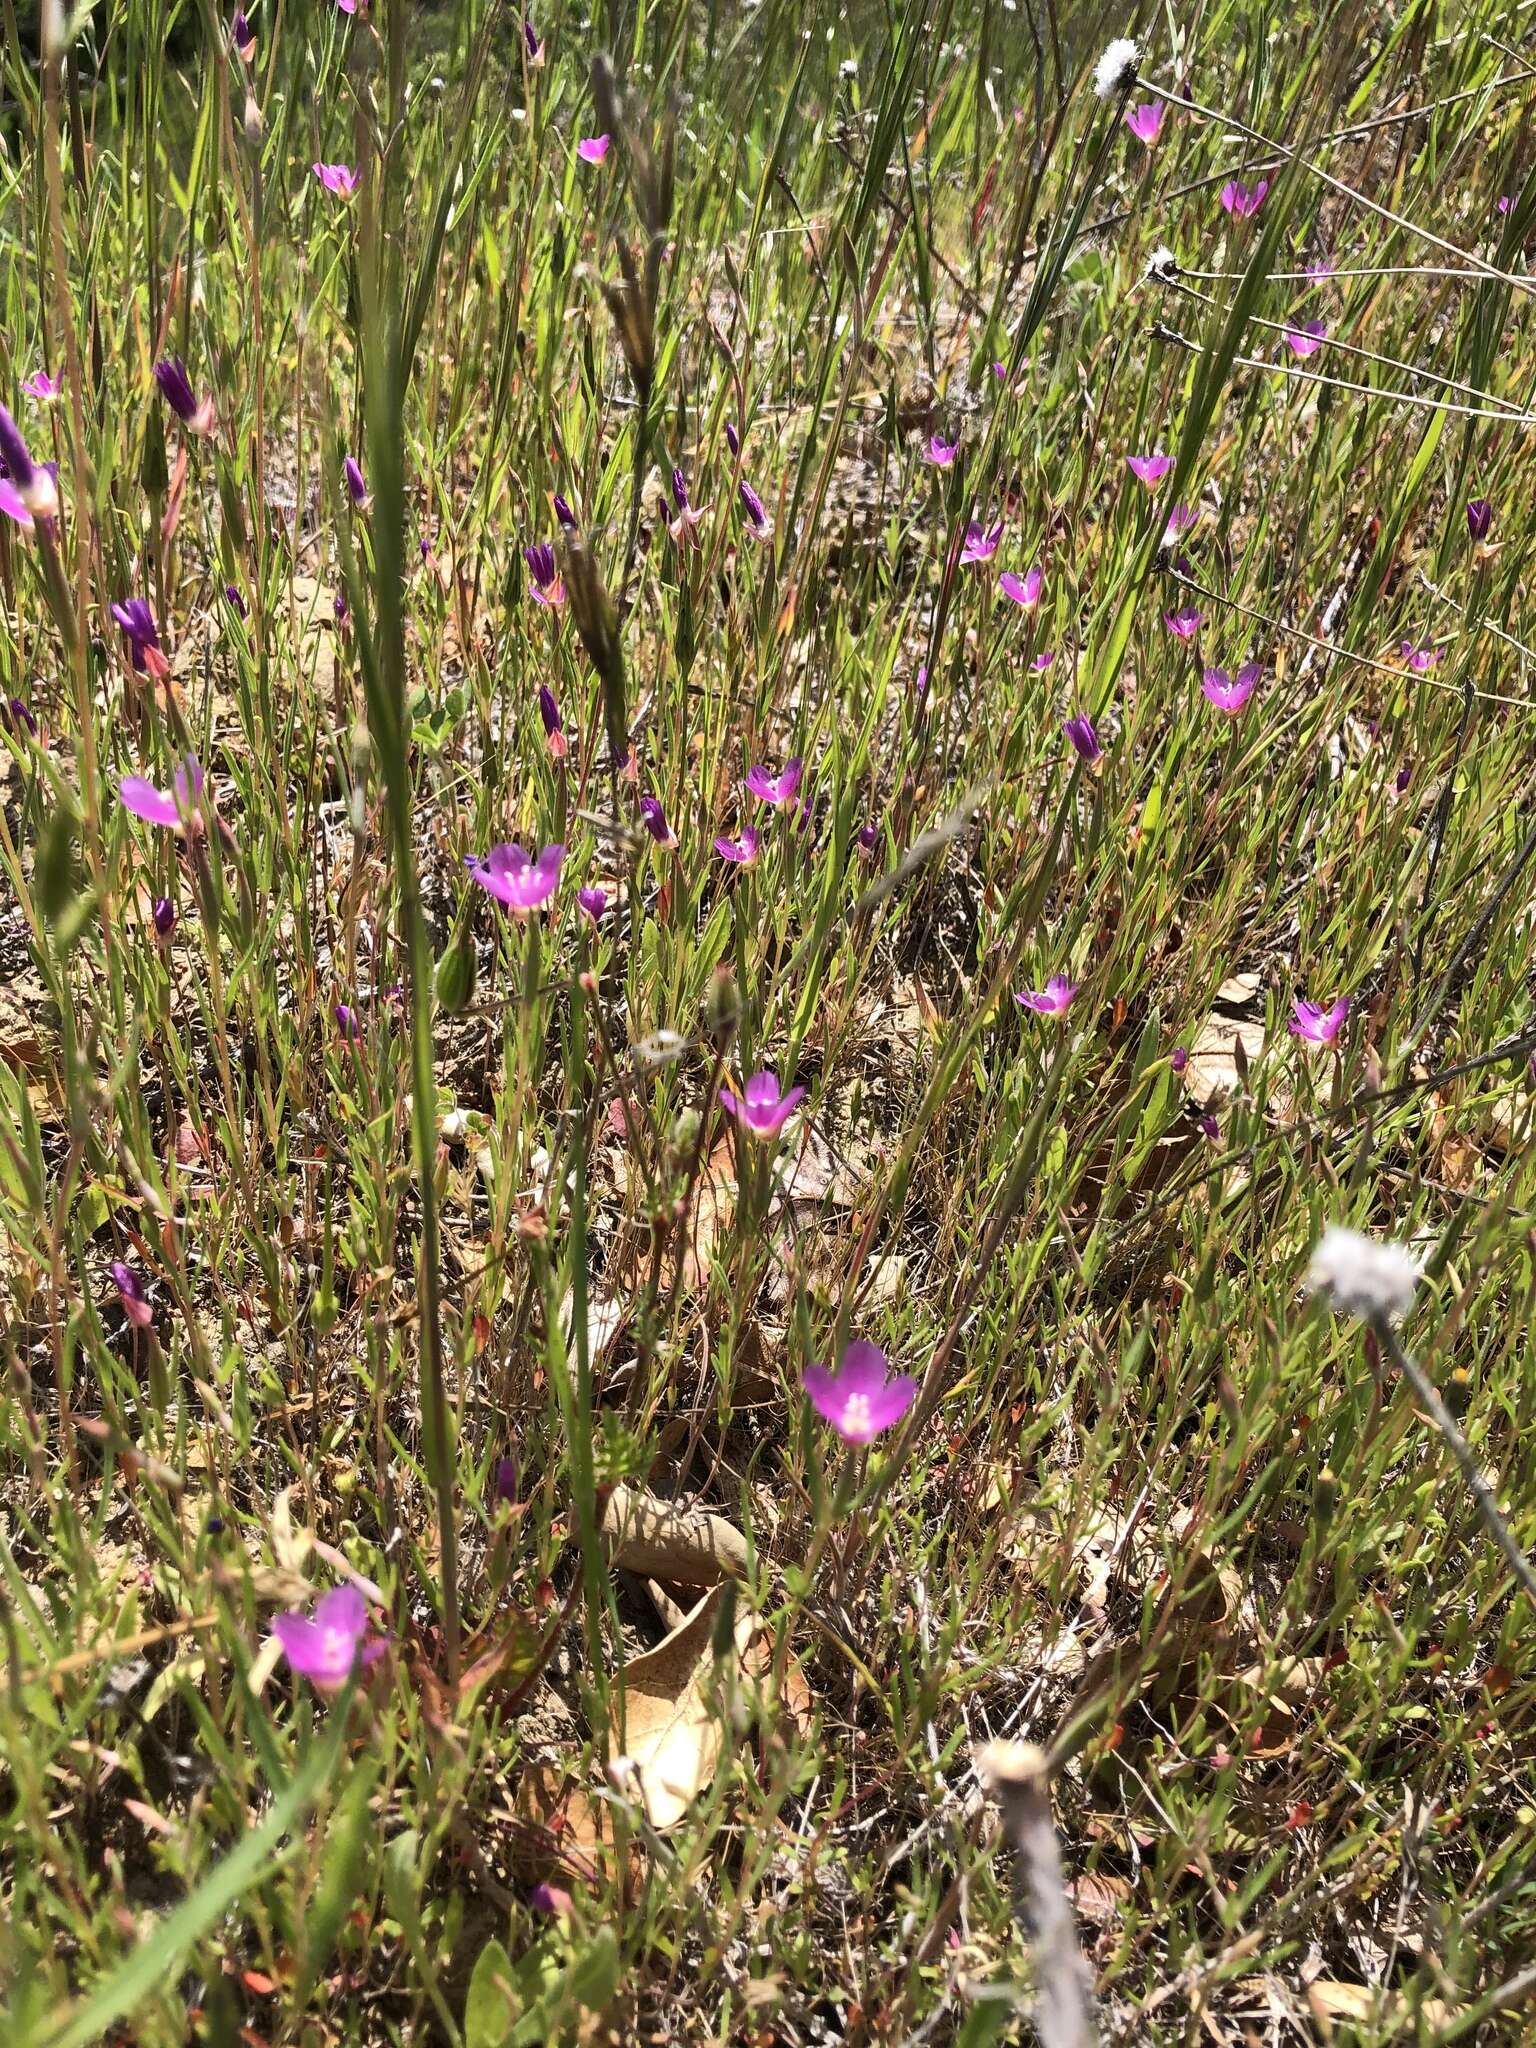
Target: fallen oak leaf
{"type": "Point", "coordinates": [664, 1720]}
{"type": "Point", "coordinates": [681, 1546]}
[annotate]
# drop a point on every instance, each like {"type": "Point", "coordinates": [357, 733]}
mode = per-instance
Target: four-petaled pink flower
{"type": "Point", "coordinates": [130, 1292]}
{"type": "Point", "coordinates": [326, 1647]}
{"type": "Point", "coordinates": [137, 620]}
{"type": "Point", "coordinates": [1180, 520]}
{"type": "Point", "coordinates": [1231, 693]}
{"type": "Point", "coordinates": [778, 790]}
{"type": "Point", "coordinates": [1025, 589]}
{"type": "Point", "coordinates": [861, 1398]}
{"type": "Point", "coordinates": [1317, 1026]}
{"type": "Point", "coordinates": [1146, 122]}
{"type": "Point", "coordinates": [1185, 624]}
{"type": "Point", "coordinates": [1419, 658]}
{"type": "Point", "coordinates": [1307, 339]}
{"type": "Point", "coordinates": [1243, 201]}
{"type": "Point", "coordinates": [592, 903]}
{"type": "Point", "coordinates": [173, 808]}
{"type": "Point", "coordinates": [515, 878]}
{"type": "Point", "coordinates": [593, 148]}
{"type": "Point", "coordinates": [40, 386]}
{"type": "Point", "coordinates": [338, 178]}
{"type": "Point", "coordinates": [688, 516]}
{"type": "Point", "coordinates": [1149, 469]}
{"type": "Point", "coordinates": [743, 850]}
{"type": "Point", "coordinates": [980, 542]}
{"type": "Point", "coordinates": [1051, 1000]}
{"type": "Point", "coordinates": [1320, 269]}
{"type": "Point", "coordinates": [760, 1106]}
{"type": "Point", "coordinates": [941, 453]}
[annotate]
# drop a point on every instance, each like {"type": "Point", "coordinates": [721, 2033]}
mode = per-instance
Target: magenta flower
{"type": "Point", "coordinates": [980, 542]}
{"type": "Point", "coordinates": [1050, 1001]}
{"type": "Point", "coordinates": [1243, 201]}
{"type": "Point", "coordinates": [173, 808]}
{"type": "Point", "coordinates": [40, 386]}
{"type": "Point", "coordinates": [760, 1106]}
{"type": "Point", "coordinates": [34, 494]}
{"type": "Point", "coordinates": [1320, 269]}
{"type": "Point", "coordinates": [1149, 469]}
{"type": "Point", "coordinates": [860, 1399]}
{"type": "Point", "coordinates": [1479, 517]}
{"type": "Point", "coordinates": [357, 487]}
{"type": "Point", "coordinates": [743, 850]}
{"type": "Point", "coordinates": [242, 38]}
{"type": "Point", "coordinates": [176, 389]}
{"type": "Point", "coordinates": [1319, 1027]}
{"type": "Point", "coordinates": [1043, 661]}
{"type": "Point", "coordinates": [554, 730]}
{"type": "Point", "coordinates": [1231, 693]}
{"type": "Point", "coordinates": [757, 517]}
{"type": "Point", "coordinates": [1025, 589]}
{"type": "Point", "coordinates": [1185, 624]}
{"type": "Point", "coordinates": [1180, 520]}
{"type": "Point", "coordinates": [654, 819]}
{"type": "Point", "coordinates": [593, 148]}
{"type": "Point", "coordinates": [130, 1292]}
{"type": "Point", "coordinates": [329, 1645]}
{"type": "Point", "coordinates": [941, 453]}
{"type": "Point", "coordinates": [137, 620]}
{"type": "Point", "coordinates": [1085, 741]}
{"type": "Point", "coordinates": [1419, 658]}
{"type": "Point", "coordinates": [352, 6]}
{"type": "Point", "coordinates": [688, 516]}
{"type": "Point", "coordinates": [1146, 122]}
{"type": "Point", "coordinates": [515, 878]}
{"type": "Point", "coordinates": [1306, 340]}
{"type": "Point", "coordinates": [593, 902]}
{"type": "Point", "coordinates": [778, 790]}
{"type": "Point", "coordinates": [340, 179]}
{"type": "Point", "coordinates": [547, 586]}
{"type": "Point", "coordinates": [550, 1898]}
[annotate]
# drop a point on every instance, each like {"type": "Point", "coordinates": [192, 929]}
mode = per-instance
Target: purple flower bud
{"type": "Point", "coordinates": [18, 714]}
{"type": "Point", "coordinates": [341, 608]}
{"type": "Point", "coordinates": [131, 1294]}
{"type": "Point", "coordinates": [554, 730]}
{"type": "Point", "coordinates": [1084, 739]}
{"type": "Point", "coordinates": [752, 504]}
{"type": "Point", "coordinates": [732, 438]}
{"type": "Point", "coordinates": [504, 1485]}
{"type": "Point", "coordinates": [236, 602]}
{"type": "Point", "coordinates": [36, 493]}
{"type": "Point", "coordinates": [531, 41]}
{"type": "Point", "coordinates": [1479, 517]}
{"type": "Point", "coordinates": [593, 902]}
{"type": "Point", "coordinates": [679, 490]}
{"type": "Point", "coordinates": [163, 912]}
{"type": "Point", "coordinates": [564, 514]}
{"type": "Point", "coordinates": [1180, 1059]}
{"type": "Point", "coordinates": [867, 838]}
{"type": "Point", "coordinates": [240, 35]}
{"type": "Point", "coordinates": [357, 488]}
{"type": "Point", "coordinates": [176, 390]}
{"type": "Point", "coordinates": [654, 819]}
{"type": "Point", "coordinates": [1210, 1127]}
{"type": "Point", "coordinates": [348, 1023]}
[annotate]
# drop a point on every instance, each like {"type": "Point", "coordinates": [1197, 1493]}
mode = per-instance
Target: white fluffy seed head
{"type": "Point", "coordinates": [1162, 264]}
{"type": "Point", "coordinates": [1360, 1276]}
{"type": "Point", "coordinates": [1116, 69]}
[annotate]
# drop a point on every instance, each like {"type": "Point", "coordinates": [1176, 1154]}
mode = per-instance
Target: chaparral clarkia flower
{"type": "Point", "coordinates": [352, 6]}
{"type": "Point", "coordinates": [32, 482]}
{"type": "Point", "coordinates": [17, 714]}
{"type": "Point", "coordinates": [1051, 1000]}
{"type": "Point", "coordinates": [40, 386]}
{"type": "Point", "coordinates": [688, 516]}
{"type": "Point", "coordinates": [348, 1023]}
{"type": "Point", "coordinates": [532, 43]}
{"type": "Point", "coordinates": [554, 730]}
{"type": "Point", "coordinates": [1085, 741]}
{"type": "Point", "coordinates": [547, 586]}
{"type": "Point", "coordinates": [1180, 520]}
{"type": "Point", "coordinates": [176, 390]}
{"type": "Point", "coordinates": [357, 486]}
{"type": "Point", "coordinates": [1185, 624]}
{"type": "Point", "coordinates": [941, 453]}
{"type": "Point", "coordinates": [861, 1398]}
{"type": "Point", "coordinates": [1231, 693]}
{"type": "Point", "coordinates": [504, 1481]}
{"type": "Point", "coordinates": [1149, 469]}
{"type": "Point", "coordinates": [1243, 201]}
{"type": "Point", "coordinates": [742, 851]}
{"type": "Point", "coordinates": [1044, 660]}
{"type": "Point", "coordinates": [654, 819]}
{"type": "Point", "coordinates": [980, 542]}
{"type": "Point", "coordinates": [1116, 68]}
{"type": "Point", "coordinates": [778, 790]}
{"type": "Point", "coordinates": [130, 1292]}
{"type": "Point", "coordinates": [133, 614]}
{"type": "Point", "coordinates": [242, 38]}
{"type": "Point", "coordinates": [867, 838]}
{"type": "Point", "coordinates": [1320, 269]}
{"type": "Point", "coordinates": [329, 1645]}
{"type": "Point", "coordinates": [1419, 658]}
{"type": "Point", "coordinates": [593, 902]}
{"type": "Point", "coordinates": [550, 1898]}
{"type": "Point", "coordinates": [1402, 779]}
{"type": "Point", "coordinates": [1178, 1059]}
{"type": "Point", "coordinates": [1317, 1026]}
{"type": "Point", "coordinates": [1146, 122]}
{"type": "Point", "coordinates": [1025, 589]}
{"type": "Point", "coordinates": [340, 179]}
{"type": "Point", "coordinates": [760, 1106]}
{"type": "Point", "coordinates": [752, 505]}
{"type": "Point", "coordinates": [593, 148]}
{"type": "Point", "coordinates": [514, 877]}
{"type": "Point", "coordinates": [1307, 339]}
{"type": "Point", "coordinates": [163, 914]}
{"type": "Point", "coordinates": [174, 807]}
{"type": "Point", "coordinates": [1479, 517]}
